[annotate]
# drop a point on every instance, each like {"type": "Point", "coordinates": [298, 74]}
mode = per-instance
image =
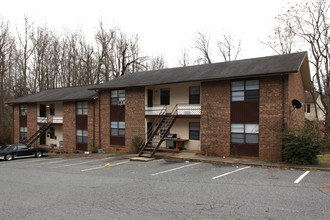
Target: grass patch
{"type": "Point", "coordinates": [324, 158]}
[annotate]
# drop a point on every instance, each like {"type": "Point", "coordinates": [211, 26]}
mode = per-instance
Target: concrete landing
{"type": "Point", "coordinates": [143, 159]}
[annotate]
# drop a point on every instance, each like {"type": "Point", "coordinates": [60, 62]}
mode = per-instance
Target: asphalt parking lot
{"type": "Point", "coordinates": [116, 188]}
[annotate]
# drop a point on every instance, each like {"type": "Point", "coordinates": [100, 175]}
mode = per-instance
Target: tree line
{"type": "Point", "coordinates": [40, 58]}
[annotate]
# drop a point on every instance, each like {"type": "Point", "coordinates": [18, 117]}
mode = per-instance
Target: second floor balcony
{"type": "Point", "coordinates": [53, 119]}
{"type": "Point", "coordinates": [179, 109]}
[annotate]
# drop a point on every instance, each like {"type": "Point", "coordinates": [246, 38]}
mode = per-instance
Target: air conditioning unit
{"type": "Point", "coordinates": [121, 103]}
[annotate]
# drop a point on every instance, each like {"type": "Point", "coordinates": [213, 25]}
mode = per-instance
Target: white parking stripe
{"type": "Point", "coordinates": [225, 174]}
{"type": "Point", "coordinates": [166, 171]}
{"type": "Point", "coordinates": [74, 164]}
{"type": "Point", "coordinates": [23, 161]}
{"type": "Point", "coordinates": [111, 165]}
{"type": "Point", "coordinates": [301, 177]}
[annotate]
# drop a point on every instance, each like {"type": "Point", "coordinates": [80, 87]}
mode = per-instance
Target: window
{"type": "Point", "coordinates": [118, 97]}
{"type": "Point", "coordinates": [118, 128]}
{"type": "Point", "coordinates": [23, 110]}
{"type": "Point", "coordinates": [245, 133]}
{"type": "Point", "coordinates": [307, 108]}
{"type": "Point", "coordinates": [194, 130]}
{"type": "Point", "coordinates": [82, 108]}
{"type": "Point", "coordinates": [23, 133]}
{"type": "Point", "coordinates": [52, 132]}
{"type": "Point", "coordinates": [52, 109]}
{"type": "Point", "coordinates": [245, 90]}
{"type": "Point", "coordinates": [164, 96]}
{"type": "Point", "coordinates": [194, 95]}
{"type": "Point", "coordinates": [82, 136]}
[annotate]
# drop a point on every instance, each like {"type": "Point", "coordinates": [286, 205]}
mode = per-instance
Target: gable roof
{"type": "Point", "coordinates": [309, 97]}
{"type": "Point", "coordinates": [280, 64]}
{"type": "Point", "coordinates": [59, 94]}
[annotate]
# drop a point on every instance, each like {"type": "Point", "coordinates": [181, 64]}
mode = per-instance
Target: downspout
{"type": "Point", "coordinates": [93, 123]}
{"type": "Point", "coordinates": [13, 137]}
{"type": "Point", "coordinates": [283, 103]}
{"type": "Point", "coordinates": [99, 119]}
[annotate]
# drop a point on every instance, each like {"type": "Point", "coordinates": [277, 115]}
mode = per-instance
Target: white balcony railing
{"type": "Point", "coordinates": [181, 109]}
{"type": "Point", "coordinates": [189, 110]}
{"type": "Point", "coordinates": [56, 120]}
{"type": "Point", "coordinates": [156, 110]}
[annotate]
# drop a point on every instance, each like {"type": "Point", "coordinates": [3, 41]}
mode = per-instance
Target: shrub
{"type": "Point", "coordinates": [137, 143]}
{"type": "Point", "coordinates": [302, 146]}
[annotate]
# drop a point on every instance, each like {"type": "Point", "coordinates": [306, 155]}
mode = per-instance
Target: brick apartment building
{"type": "Point", "coordinates": [236, 108]}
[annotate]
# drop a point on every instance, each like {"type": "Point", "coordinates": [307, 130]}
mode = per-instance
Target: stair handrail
{"type": "Point", "coordinates": [155, 124]}
{"type": "Point", "coordinates": [172, 119]}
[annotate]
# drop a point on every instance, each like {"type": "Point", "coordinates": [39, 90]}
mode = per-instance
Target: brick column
{"type": "Point", "coordinates": [91, 124]}
{"type": "Point", "coordinates": [16, 126]}
{"type": "Point", "coordinates": [104, 99]}
{"type": "Point", "coordinates": [271, 117]}
{"type": "Point", "coordinates": [69, 126]}
{"type": "Point", "coordinates": [32, 121]}
{"type": "Point", "coordinates": [134, 115]}
{"type": "Point", "coordinates": [215, 118]}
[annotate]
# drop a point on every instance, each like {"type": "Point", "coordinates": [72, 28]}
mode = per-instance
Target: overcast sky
{"type": "Point", "coordinates": [164, 27]}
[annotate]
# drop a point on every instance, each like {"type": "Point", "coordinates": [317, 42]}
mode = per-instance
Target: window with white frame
{"type": "Point", "coordinates": [194, 131]}
{"type": "Point", "coordinates": [245, 90]}
{"type": "Point", "coordinates": [244, 133]}
{"type": "Point", "coordinates": [194, 95]}
{"type": "Point", "coordinates": [117, 97]}
{"type": "Point", "coordinates": [165, 96]}
{"type": "Point", "coordinates": [82, 108]}
{"type": "Point", "coordinates": [23, 110]}
{"type": "Point", "coordinates": [82, 136]}
{"type": "Point", "coordinates": [117, 128]}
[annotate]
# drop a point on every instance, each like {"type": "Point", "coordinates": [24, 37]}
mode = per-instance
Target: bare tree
{"type": "Point", "coordinates": [310, 22]}
{"type": "Point", "coordinates": [185, 59]}
{"type": "Point", "coordinates": [228, 48]}
{"type": "Point", "coordinates": [25, 52]}
{"type": "Point", "coordinates": [202, 44]}
{"type": "Point", "coordinates": [283, 40]}
{"type": "Point", "coordinates": [6, 56]}
{"type": "Point", "coordinates": [156, 63]}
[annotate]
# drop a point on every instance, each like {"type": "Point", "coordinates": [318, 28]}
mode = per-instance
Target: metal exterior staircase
{"type": "Point", "coordinates": [39, 132]}
{"type": "Point", "coordinates": [157, 132]}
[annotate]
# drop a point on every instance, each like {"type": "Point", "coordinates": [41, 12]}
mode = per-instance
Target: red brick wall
{"type": "Point", "coordinates": [91, 124]}
{"type": "Point", "coordinates": [134, 115]}
{"type": "Point", "coordinates": [104, 99]}
{"type": "Point", "coordinates": [69, 126]}
{"type": "Point", "coordinates": [271, 118]}
{"type": "Point", "coordinates": [32, 121]}
{"type": "Point", "coordinates": [215, 118]}
{"type": "Point", "coordinates": [296, 118]}
{"type": "Point", "coordinates": [16, 127]}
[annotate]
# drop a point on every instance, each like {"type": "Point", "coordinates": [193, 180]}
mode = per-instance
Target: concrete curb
{"type": "Point", "coordinates": [249, 163]}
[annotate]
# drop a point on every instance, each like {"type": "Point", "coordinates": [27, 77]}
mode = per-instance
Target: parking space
{"type": "Point", "coordinates": [171, 170]}
{"type": "Point", "coordinates": [162, 189]}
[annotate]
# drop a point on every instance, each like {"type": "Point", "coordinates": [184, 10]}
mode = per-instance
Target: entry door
{"type": "Point", "coordinates": [42, 111]}
{"type": "Point", "coordinates": [43, 139]}
{"type": "Point", "coordinates": [150, 98]}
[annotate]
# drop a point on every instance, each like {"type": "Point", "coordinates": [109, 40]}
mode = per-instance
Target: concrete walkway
{"type": "Point", "coordinates": [193, 156]}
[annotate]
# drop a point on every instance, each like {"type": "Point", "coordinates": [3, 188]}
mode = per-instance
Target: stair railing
{"type": "Point", "coordinates": [153, 129]}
